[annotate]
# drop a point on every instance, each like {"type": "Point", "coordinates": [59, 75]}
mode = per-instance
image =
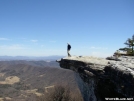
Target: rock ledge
{"type": "Point", "coordinates": [109, 77]}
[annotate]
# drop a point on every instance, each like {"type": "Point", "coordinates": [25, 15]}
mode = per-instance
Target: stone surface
{"type": "Point", "coordinates": [104, 77]}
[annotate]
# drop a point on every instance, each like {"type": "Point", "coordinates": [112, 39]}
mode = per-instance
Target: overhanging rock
{"type": "Point", "coordinates": [105, 78]}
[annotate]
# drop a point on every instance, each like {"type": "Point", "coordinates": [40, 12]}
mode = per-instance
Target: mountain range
{"type": "Point", "coordinates": [35, 58]}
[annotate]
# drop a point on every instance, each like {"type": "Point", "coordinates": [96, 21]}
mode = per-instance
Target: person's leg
{"type": "Point", "coordinates": [69, 53]}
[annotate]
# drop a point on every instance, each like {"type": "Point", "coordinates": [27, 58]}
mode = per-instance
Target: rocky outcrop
{"type": "Point", "coordinates": [105, 78]}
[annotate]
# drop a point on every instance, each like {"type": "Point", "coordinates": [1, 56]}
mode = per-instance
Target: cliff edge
{"type": "Point", "coordinates": [105, 78]}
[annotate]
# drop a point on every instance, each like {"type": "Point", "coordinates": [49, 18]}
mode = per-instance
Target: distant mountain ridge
{"type": "Point", "coordinates": [32, 63]}
{"type": "Point", "coordinates": [36, 58]}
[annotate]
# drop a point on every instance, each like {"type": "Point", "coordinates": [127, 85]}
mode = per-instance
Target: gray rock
{"type": "Point", "coordinates": [111, 77]}
{"type": "Point", "coordinates": [113, 58]}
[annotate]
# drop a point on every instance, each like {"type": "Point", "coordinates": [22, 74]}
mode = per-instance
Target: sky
{"type": "Point", "coordinates": [44, 27]}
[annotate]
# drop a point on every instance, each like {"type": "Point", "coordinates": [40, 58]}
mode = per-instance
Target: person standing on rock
{"type": "Point", "coordinates": [68, 49]}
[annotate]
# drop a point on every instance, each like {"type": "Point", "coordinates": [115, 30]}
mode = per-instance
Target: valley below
{"type": "Point", "coordinates": [28, 80]}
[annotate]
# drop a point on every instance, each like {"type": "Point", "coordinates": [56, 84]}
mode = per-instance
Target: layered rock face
{"type": "Point", "coordinates": [104, 78]}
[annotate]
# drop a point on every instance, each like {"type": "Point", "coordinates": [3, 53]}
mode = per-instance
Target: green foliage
{"type": "Point", "coordinates": [129, 46]}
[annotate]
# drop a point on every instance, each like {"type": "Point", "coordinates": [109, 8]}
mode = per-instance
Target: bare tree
{"type": "Point", "coordinates": [59, 93]}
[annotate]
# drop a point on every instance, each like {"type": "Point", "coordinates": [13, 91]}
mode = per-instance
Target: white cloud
{"type": "Point", "coordinates": [34, 40]}
{"type": "Point", "coordinates": [42, 45]}
{"type": "Point", "coordinates": [52, 41]}
{"type": "Point", "coordinates": [92, 47]}
{"type": "Point", "coordinates": [100, 54]}
{"type": "Point", "coordinates": [102, 48]}
{"type": "Point", "coordinates": [12, 47]}
{"type": "Point", "coordinates": [84, 47]}
{"type": "Point", "coordinates": [22, 50]}
{"type": "Point", "coordinates": [4, 39]}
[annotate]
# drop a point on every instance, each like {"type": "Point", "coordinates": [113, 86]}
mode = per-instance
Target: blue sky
{"type": "Point", "coordinates": [43, 27]}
